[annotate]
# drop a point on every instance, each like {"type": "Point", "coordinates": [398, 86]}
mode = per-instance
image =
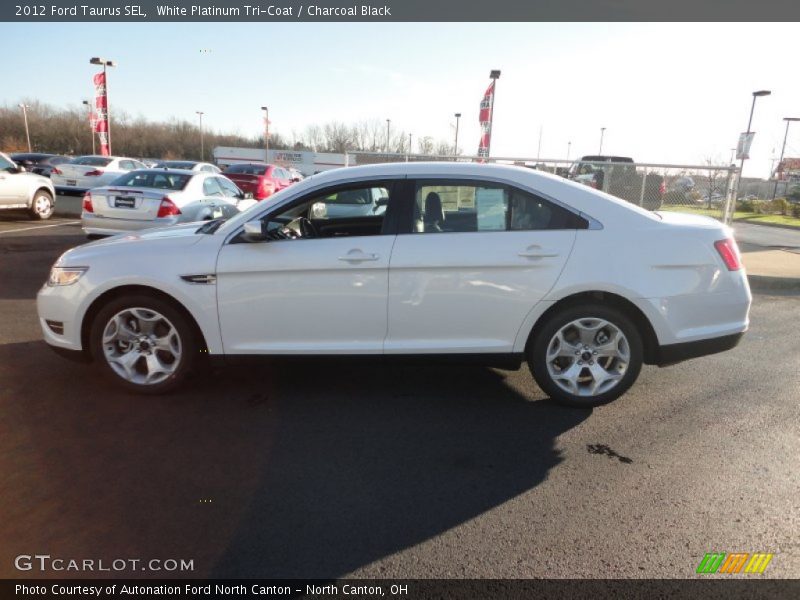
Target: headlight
{"type": "Point", "coordinates": [65, 275]}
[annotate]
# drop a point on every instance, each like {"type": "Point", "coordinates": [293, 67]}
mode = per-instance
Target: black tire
{"type": "Point", "coordinates": [189, 344]}
{"type": "Point", "coordinates": [537, 350]}
{"type": "Point", "coordinates": [42, 206]}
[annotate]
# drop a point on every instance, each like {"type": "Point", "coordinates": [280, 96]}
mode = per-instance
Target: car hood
{"type": "Point", "coordinates": [166, 239]}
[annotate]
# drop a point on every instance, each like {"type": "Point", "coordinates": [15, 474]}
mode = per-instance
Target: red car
{"type": "Point", "coordinates": [260, 179]}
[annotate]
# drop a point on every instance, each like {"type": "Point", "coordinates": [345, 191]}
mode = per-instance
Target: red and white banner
{"type": "Point", "coordinates": [485, 119]}
{"type": "Point", "coordinates": [100, 116]}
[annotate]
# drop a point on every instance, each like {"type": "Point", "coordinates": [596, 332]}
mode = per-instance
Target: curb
{"type": "Point", "coordinates": [765, 283]}
{"type": "Point", "coordinates": [760, 224]}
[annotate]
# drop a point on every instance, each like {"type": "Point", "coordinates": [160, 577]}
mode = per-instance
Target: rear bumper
{"type": "Point", "coordinates": [675, 353]}
{"type": "Point", "coordinates": [96, 225]}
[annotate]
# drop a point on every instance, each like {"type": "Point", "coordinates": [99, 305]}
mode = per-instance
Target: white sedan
{"type": "Point", "coordinates": [87, 172]}
{"type": "Point", "coordinates": [159, 198]}
{"type": "Point", "coordinates": [468, 259]}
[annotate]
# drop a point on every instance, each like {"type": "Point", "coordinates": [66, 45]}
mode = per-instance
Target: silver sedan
{"type": "Point", "coordinates": [157, 198]}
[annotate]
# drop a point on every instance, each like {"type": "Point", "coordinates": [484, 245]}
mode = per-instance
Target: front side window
{"type": "Point", "coordinates": [228, 187]}
{"type": "Point", "coordinates": [331, 214]}
{"type": "Point", "coordinates": [442, 207]}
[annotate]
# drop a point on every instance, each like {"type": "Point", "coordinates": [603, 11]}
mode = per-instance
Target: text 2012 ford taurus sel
{"type": "Point", "coordinates": [496, 261]}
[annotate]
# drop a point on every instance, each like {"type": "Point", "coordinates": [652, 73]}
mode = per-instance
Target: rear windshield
{"type": "Point", "coordinates": [247, 169]}
{"type": "Point", "coordinates": [92, 161]}
{"type": "Point", "coordinates": [152, 179]}
{"type": "Point", "coordinates": [177, 164]}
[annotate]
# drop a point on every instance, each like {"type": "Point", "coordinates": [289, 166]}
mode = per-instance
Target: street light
{"type": "Point", "coordinates": [569, 147]}
{"type": "Point", "coordinates": [96, 60]}
{"type": "Point", "coordinates": [731, 206]}
{"type": "Point", "coordinates": [25, 108]}
{"type": "Point", "coordinates": [455, 152]}
{"type": "Point", "coordinates": [602, 133]}
{"type": "Point", "coordinates": [783, 149]}
{"type": "Point", "coordinates": [91, 125]}
{"type": "Point", "coordinates": [200, 114]}
{"type": "Point", "coordinates": [266, 133]}
{"type": "Point", "coordinates": [388, 124]}
{"type": "Point", "coordinates": [409, 146]}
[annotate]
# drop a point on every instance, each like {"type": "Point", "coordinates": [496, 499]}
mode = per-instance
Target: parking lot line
{"type": "Point", "coordinates": [39, 227]}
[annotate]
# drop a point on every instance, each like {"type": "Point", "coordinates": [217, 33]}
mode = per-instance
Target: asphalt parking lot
{"type": "Point", "coordinates": [315, 469]}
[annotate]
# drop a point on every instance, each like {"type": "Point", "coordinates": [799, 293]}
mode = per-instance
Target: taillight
{"type": "Point", "coordinates": [729, 252]}
{"type": "Point", "coordinates": [94, 173]}
{"type": "Point", "coordinates": [167, 208]}
{"type": "Point", "coordinates": [56, 171]}
{"type": "Point", "coordinates": [87, 203]}
{"type": "Point", "coordinates": [265, 187]}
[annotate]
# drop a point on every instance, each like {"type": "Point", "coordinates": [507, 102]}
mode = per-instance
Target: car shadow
{"type": "Point", "coordinates": [369, 460]}
{"type": "Point", "coordinates": [302, 468]}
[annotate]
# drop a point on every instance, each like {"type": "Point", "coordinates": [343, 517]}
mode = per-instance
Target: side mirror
{"type": "Point", "coordinates": [254, 231]}
{"type": "Point", "coordinates": [295, 179]}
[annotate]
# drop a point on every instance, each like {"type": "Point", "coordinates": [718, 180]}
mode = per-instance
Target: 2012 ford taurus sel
{"type": "Point", "coordinates": [496, 261]}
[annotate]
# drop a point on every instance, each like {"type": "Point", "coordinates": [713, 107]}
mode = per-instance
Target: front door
{"type": "Point", "coordinates": [317, 285]}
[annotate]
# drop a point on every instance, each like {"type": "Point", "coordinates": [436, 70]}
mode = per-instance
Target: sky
{"type": "Point", "coordinates": [675, 93]}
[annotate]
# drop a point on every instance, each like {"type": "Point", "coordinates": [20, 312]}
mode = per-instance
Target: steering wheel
{"type": "Point", "coordinates": [307, 228]}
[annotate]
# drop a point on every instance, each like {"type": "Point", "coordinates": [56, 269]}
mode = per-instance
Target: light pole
{"type": "Point", "coordinates": [266, 133]}
{"type": "Point", "coordinates": [95, 60]}
{"type": "Point", "coordinates": [409, 147]}
{"type": "Point", "coordinates": [25, 108]}
{"type": "Point", "coordinates": [200, 114]}
{"type": "Point", "coordinates": [494, 75]}
{"type": "Point", "coordinates": [731, 206]}
{"type": "Point", "coordinates": [455, 151]}
{"type": "Point", "coordinates": [91, 125]}
{"type": "Point", "coordinates": [733, 155]}
{"type": "Point", "coordinates": [783, 149]}
{"type": "Point", "coordinates": [569, 147]}
{"type": "Point", "coordinates": [388, 124]}
{"type": "Point", "coordinates": [602, 133]}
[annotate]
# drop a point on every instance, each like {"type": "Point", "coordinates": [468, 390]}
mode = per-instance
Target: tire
{"type": "Point", "coordinates": [124, 357]}
{"type": "Point", "coordinates": [42, 206]}
{"type": "Point", "coordinates": [617, 359]}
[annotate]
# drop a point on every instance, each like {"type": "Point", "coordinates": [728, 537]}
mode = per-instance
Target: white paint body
{"type": "Point", "coordinates": [74, 176]}
{"type": "Point", "coordinates": [470, 292]}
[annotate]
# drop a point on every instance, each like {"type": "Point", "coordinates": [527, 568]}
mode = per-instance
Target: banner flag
{"type": "Point", "coordinates": [485, 118]}
{"type": "Point", "coordinates": [100, 116]}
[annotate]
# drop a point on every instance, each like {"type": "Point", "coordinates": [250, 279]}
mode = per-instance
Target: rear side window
{"type": "Point", "coordinates": [442, 206]}
{"type": "Point", "coordinates": [211, 187]}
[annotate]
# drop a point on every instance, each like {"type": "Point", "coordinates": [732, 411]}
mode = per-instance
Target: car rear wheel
{"type": "Point", "coordinates": [143, 343]}
{"type": "Point", "coordinates": [41, 206]}
{"type": "Point", "coordinates": [586, 356]}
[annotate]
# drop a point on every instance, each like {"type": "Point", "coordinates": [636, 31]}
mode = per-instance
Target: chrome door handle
{"type": "Point", "coordinates": [537, 252]}
{"type": "Point", "coordinates": [358, 257]}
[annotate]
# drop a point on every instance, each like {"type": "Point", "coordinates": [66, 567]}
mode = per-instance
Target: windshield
{"type": "Point", "coordinates": [247, 169]}
{"type": "Point", "coordinates": [92, 161]}
{"type": "Point", "coordinates": [152, 179]}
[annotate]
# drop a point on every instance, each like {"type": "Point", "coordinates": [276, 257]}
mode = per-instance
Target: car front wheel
{"type": "Point", "coordinates": [41, 206]}
{"type": "Point", "coordinates": [585, 356]}
{"type": "Point", "coordinates": [143, 343]}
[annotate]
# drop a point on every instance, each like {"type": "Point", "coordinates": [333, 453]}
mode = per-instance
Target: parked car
{"type": "Point", "coordinates": [26, 191]}
{"type": "Point", "coordinates": [351, 203]}
{"type": "Point", "coordinates": [39, 163]}
{"type": "Point", "coordinates": [497, 261]}
{"type": "Point", "coordinates": [87, 172]}
{"type": "Point", "coordinates": [191, 165]}
{"type": "Point", "coordinates": [618, 176]}
{"type": "Point", "coordinates": [157, 198]}
{"type": "Point", "coordinates": [260, 179]}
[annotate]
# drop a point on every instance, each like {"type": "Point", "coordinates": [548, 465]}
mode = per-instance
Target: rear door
{"type": "Point", "coordinates": [476, 258]}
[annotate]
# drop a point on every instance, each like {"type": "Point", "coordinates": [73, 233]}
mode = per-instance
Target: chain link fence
{"type": "Point", "coordinates": [700, 189]}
